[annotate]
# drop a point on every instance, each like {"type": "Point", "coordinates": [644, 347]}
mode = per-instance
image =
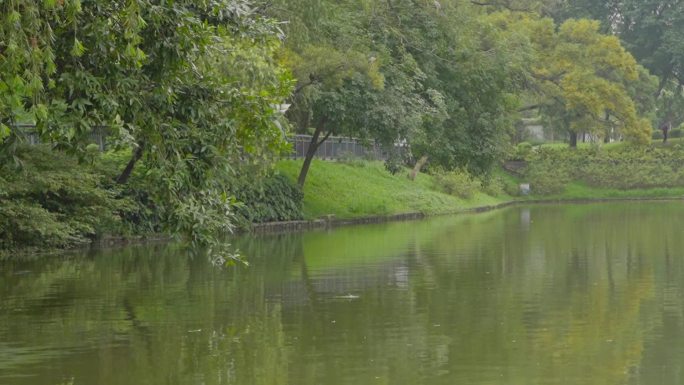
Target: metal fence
{"type": "Point", "coordinates": [98, 135]}
{"type": "Point", "coordinates": [336, 147]}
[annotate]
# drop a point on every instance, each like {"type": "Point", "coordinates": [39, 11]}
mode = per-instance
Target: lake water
{"type": "Point", "coordinates": [547, 294]}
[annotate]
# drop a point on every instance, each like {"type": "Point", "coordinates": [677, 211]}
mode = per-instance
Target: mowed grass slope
{"type": "Point", "coordinates": [360, 189]}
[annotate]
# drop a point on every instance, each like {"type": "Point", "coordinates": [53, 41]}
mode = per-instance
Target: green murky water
{"type": "Point", "coordinates": [571, 294]}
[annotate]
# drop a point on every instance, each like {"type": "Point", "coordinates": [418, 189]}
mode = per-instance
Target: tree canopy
{"type": "Point", "coordinates": [449, 78]}
{"type": "Point", "coordinates": [582, 78]}
{"type": "Point", "coordinates": [651, 31]}
{"type": "Point", "coordinates": [193, 88]}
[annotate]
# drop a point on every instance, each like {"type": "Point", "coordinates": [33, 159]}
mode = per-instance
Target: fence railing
{"type": "Point", "coordinates": [98, 135]}
{"type": "Point", "coordinates": [334, 148]}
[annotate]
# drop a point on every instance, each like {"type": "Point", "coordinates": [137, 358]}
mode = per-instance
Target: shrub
{"type": "Point", "coordinates": [394, 163]}
{"type": "Point", "coordinates": [657, 135]}
{"type": "Point", "coordinates": [523, 150]}
{"type": "Point", "coordinates": [550, 169]}
{"type": "Point", "coordinates": [458, 183]}
{"type": "Point", "coordinates": [676, 133]}
{"type": "Point", "coordinates": [546, 181]}
{"type": "Point", "coordinates": [511, 188]}
{"type": "Point", "coordinates": [51, 201]}
{"type": "Point", "coordinates": [623, 168]}
{"type": "Point", "coordinates": [273, 198]}
{"type": "Point", "coordinates": [493, 186]}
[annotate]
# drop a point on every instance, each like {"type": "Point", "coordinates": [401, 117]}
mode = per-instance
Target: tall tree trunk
{"type": "Point", "coordinates": [573, 140]}
{"type": "Point", "coordinates": [666, 126]}
{"type": "Point", "coordinates": [416, 169]}
{"type": "Point", "coordinates": [311, 151]}
{"type": "Point", "coordinates": [126, 173]}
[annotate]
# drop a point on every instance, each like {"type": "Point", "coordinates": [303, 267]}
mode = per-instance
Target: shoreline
{"type": "Point", "coordinates": [331, 222]}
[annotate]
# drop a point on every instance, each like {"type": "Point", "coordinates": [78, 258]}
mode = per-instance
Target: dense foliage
{"type": "Point", "coordinates": [449, 78]}
{"type": "Point", "coordinates": [652, 32]}
{"type": "Point", "coordinates": [457, 182]}
{"type": "Point", "coordinates": [550, 170]}
{"type": "Point", "coordinates": [192, 88]}
{"type": "Point", "coordinates": [197, 97]}
{"type": "Point", "coordinates": [52, 201]}
{"type": "Point", "coordinates": [271, 199]}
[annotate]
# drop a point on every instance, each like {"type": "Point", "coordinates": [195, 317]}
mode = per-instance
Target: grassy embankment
{"type": "Point", "coordinates": [365, 189]}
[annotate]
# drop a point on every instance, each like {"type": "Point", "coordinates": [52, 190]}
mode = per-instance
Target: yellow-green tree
{"type": "Point", "coordinates": [583, 81]}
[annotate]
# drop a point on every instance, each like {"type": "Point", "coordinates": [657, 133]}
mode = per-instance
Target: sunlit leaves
{"type": "Point", "coordinates": [584, 79]}
{"type": "Point", "coordinates": [78, 48]}
{"type": "Point", "coordinates": [4, 131]}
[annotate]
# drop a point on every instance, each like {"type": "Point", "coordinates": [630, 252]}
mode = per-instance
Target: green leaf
{"type": "Point", "coordinates": [4, 131]}
{"type": "Point", "coordinates": [77, 49]}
